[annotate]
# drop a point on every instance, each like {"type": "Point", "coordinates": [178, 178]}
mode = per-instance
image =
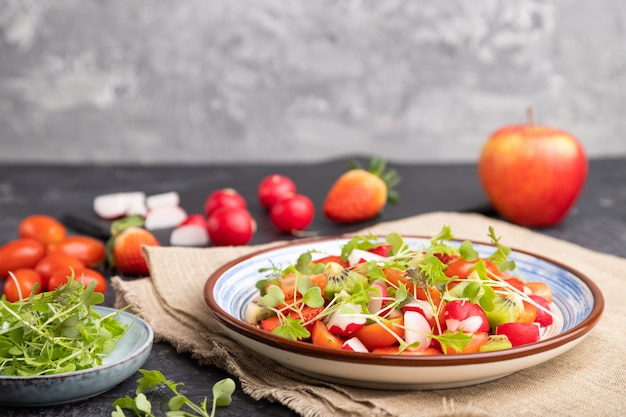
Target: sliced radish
{"type": "Point", "coordinates": [136, 204]}
{"type": "Point", "coordinates": [421, 306]}
{"type": "Point", "coordinates": [189, 235]}
{"type": "Point", "coordinates": [195, 219]}
{"type": "Point", "coordinates": [417, 329]}
{"type": "Point", "coordinates": [379, 295]}
{"type": "Point", "coordinates": [346, 320]}
{"type": "Point", "coordinates": [116, 205]}
{"type": "Point", "coordinates": [359, 256]}
{"type": "Point", "coordinates": [170, 199]}
{"type": "Point", "coordinates": [165, 217]}
{"type": "Point", "coordinates": [354, 345]}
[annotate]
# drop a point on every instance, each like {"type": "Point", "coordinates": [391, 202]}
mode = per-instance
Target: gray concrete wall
{"type": "Point", "coordinates": [278, 80]}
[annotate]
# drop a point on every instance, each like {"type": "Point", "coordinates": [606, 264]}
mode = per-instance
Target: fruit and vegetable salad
{"type": "Point", "coordinates": [382, 296]}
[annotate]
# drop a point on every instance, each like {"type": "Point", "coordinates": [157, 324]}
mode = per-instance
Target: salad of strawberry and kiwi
{"type": "Point", "coordinates": [384, 297]}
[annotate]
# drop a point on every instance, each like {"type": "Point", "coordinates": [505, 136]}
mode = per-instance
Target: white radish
{"type": "Point", "coordinates": [354, 345]}
{"type": "Point", "coordinates": [379, 295]}
{"type": "Point", "coordinates": [136, 204]}
{"type": "Point", "coordinates": [417, 329]}
{"type": "Point", "coordinates": [116, 205]}
{"type": "Point", "coordinates": [421, 306]}
{"type": "Point", "coordinates": [346, 320]}
{"type": "Point", "coordinates": [161, 200]}
{"type": "Point", "coordinates": [189, 235]}
{"type": "Point", "coordinates": [359, 255]}
{"type": "Point", "coordinates": [164, 217]}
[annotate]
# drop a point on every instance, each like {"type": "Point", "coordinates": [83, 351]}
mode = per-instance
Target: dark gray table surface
{"type": "Point", "coordinates": [598, 222]}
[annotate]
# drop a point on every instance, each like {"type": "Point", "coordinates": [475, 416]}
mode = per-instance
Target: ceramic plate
{"type": "Point", "coordinates": [130, 353]}
{"type": "Point", "coordinates": [577, 300]}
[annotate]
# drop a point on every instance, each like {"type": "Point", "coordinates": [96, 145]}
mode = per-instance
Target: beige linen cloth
{"type": "Point", "coordinates": [589, 380]}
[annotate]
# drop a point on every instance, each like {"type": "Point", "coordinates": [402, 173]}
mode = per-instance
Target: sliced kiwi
{"type": "Point", "coordinates": [505, 311]}
{"type": "Point", "coordinates": [340, 279]}
{"type": "Point", "coordinates": [496, 342]}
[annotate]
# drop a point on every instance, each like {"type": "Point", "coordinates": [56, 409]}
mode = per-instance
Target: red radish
{"type": "Point", "coordinates": [195, 219]}
{"type": "Point", "coordinates": [421, 306]}
{"type": "Point", "coordinates": [225, 197]}
{"type": "Point", "coordinates": [416, 330]}
{"type": "Point", "coordinates": [465, 316]}
{"type": "Point", "coordinates": [231, 226]}
{"type": "Point", "coordinates": [292, 213]}
{"type": "Point", "coordinates": [379, 295]}
{"type": "Point", "coordinates": [273, 188]}
{"type": "Point", "coordinates": [189, 235]}
{"type": "Point", "coordinates": [354, 345]}
{"type": "Point", "coordinates": [359, 255]}
{"type": "Point", "coordinates": [117, 205]}
{"type": "Point", "coordinates": [544, 315]}
{"type": "Point", "coordinates": [346, 320]}
{"type": "Point", "coordinates": [382, 249]}
{"type": "Point", "coordinates": [519, 333]}
{"type": "Point", "coordinates": [164, 217]}
{"type": "Point", "coordinates": [168, 199]}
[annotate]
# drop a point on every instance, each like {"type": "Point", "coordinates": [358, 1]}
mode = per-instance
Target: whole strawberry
{"type": "Point", "coordinates": [126, 253]}
{"type": "Point", "coordinates": [360, 194]}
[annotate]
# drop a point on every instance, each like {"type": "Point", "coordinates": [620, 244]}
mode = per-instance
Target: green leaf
{"type": "Point", "coordinates": [150, 379]}
{"type": "Point", "coordinates": [467, 251]}
{"type": "Point", "coordinates": [177, 402]}
{"type": "Point", "coordinates": [223, 391]}
{"type": "Point", "coordinates": [273, 297]}
{"type": "Point", "coordinates": [313, 297]}
{"type": "Point", "coordinates": [292, 329]}
{"type": "Point", "coordinates": [456, 341]}
{"type": "Point", "coordinates": [142, 403]}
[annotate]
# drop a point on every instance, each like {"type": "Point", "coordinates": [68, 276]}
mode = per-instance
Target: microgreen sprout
{"type": "Point", "coordinates": [140, 405]}
{"type": "Point", "coordinates": [56, 332]}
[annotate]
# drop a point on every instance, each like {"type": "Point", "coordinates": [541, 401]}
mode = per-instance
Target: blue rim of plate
{"type": "Point", "coordinates": [580, 314]}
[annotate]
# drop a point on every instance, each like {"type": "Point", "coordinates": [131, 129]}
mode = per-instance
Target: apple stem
{"type": "Point", "coordinates": [530, 116]}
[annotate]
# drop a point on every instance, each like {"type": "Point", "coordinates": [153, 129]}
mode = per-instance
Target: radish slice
{"type": "Point", "coordinates": [164, 217]}
{"type": "Point", "coordinates": [136, 204]}
{"type": "Point", "coordinates": [417, 329]}
{"type": "Point", "coordinates": [379, 297]}
{"type": "Point", "coordinates": [189, 235]}
{"type": "Point", "coordinates": [161, 200]}
{"type": "Point", "coordinates": [116, 205]}
{"type": "Point", "coordinates": [195, 219]}
{"type": "Point", "coordinates": [355, 345]}
{"type": "Point", "coordinates": [359, 255]}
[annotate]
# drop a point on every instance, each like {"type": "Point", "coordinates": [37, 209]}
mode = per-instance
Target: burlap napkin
{"type": "Point", "coordinates": [589, 380]}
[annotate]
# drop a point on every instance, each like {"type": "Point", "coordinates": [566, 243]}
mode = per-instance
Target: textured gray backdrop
{"type": "Point", "coordinates": [286, 80]}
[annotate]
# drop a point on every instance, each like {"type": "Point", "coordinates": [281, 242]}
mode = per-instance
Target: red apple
{"type": "Point", "coordinates": [532, 174]}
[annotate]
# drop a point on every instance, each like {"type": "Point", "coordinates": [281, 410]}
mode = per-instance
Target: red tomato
{"type": "Point", "coordinates": [225, 197]}
{"type": "Point", "coordinates": [26, 280]}
{"type": "Point", "coordinates": [529, 314]}
{"type": "Point", "coordinates": [321, 336]}
{"type": "Point", "coordinates": [460, 268]}
{"type": "Point", "coordinates": [519, 333]}
{"type": "Point", "coordinates": [45, 229]}
{"type": "Point", "coordinates": [84, 248]}
{"type": "Point", "coordinates": [20, 253]}
{"type": "Point", "coordinates": [375, 336]}
{"type": "Point", "coordinates": [49, 264]}
{"type": "Point", "coordinates": [274, 187]}
{"type": "Point", "coordinates": [478, 339]}
{"type": "Point", "coordinates": [84, 275]}
{"type": "Point", "coordinates": [294, 212]}
{"type": "Point", "coordinates": [231, 226]}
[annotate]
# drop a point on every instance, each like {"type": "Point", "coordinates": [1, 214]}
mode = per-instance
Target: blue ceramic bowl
{"type": "Point", "coordinates": [130, 353]}
{"type": "Point", "coordinates": [577, 302]}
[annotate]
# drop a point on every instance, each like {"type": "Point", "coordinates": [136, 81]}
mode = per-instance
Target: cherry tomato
{"type": "Point", "coordinates": [376, 336]}
{"type": "Point", "coordinates": [84, 275]}
{"type": "Point", "coordinates": [231, 226]}
{"type": "Point", "coordinates": [294, 212]}
{"type": "Point", "coordinates": [321, 336]}
{"type": "Point", "coordinates": [20, 253]}
{"type": "Point", "coordinates": [225, 197]}
{"type": "Point", "coordinates": [540, 289]}
{"type": "Point", "coordinates": [274, 187]}
{"type": "Point", "coordinates": [26, 280]}
{"type": "Point", "coordinates": [86, 249]}
{"type": "Point", "coordinates": [51, 263]}
{"type": "Point", "coordinates": [478, 339]}
{"type": "Point", "coordinates": [45, 229]}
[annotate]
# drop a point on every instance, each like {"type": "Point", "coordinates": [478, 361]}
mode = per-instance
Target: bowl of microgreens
{"type": "Point", "coordinates": [403, 312]}
{"type": "Point", "coordinates": [61, 346]}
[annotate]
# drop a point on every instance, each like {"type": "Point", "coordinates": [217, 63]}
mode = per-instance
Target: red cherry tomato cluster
{"type": "Point", "coordinates": [45, 256]}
